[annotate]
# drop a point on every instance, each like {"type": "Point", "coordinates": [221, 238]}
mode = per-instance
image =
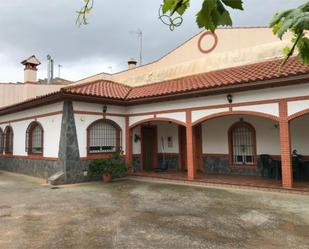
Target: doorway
{"type": "Point", "coordinates": [149, 145]}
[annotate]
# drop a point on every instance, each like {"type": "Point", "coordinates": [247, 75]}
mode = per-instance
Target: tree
{"type": "Point", "coordinates": [214, 13]}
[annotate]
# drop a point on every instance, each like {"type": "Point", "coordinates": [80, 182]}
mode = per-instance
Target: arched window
{"type": "Point", "coordinates": [8, 140]}
{"type": "Point", "coordinates": [242, 144]}
{"type": "Point", "coordinates": [1, 141]}
{"type": "Point", "coordinates": [34, 138]}
{"type": "Point", "coordinates": [103, 136]}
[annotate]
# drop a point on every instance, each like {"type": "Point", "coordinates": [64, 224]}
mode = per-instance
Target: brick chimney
{"type": "Point", "coordinates": [30, 70]}
{"type": "Point", "coordinates": [132, 63]}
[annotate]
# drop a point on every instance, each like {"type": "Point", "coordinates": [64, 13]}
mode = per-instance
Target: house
{"type": "Point", "coordinates": [214, 105]}
{"type": "Point", "coordinates": [11, 93]}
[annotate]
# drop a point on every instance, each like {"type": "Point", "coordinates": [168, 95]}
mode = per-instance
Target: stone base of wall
{"type": "Point", "coordinates": [32, 167]}
{"type": "Point", "coordinates": [46, 168]}
{"type": "Point", "coordinates": [79, 172]}
{"type": "Point", "coordinates": [172, 161]}
{"type": "Point", "coordinates": [136, 163]}
{"type": "Point", "coordinates": [219, 164]}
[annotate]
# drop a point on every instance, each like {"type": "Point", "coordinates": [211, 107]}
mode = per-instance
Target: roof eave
{"type": "Point", "coordinates": [256, 85]}
{"type": "Point", "coordinates": [61, 95]}
{"type": "Point", "coordinates": [32, 103]}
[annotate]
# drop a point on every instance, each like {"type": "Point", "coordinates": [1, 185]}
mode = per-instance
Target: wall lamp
{"type": "Point", "coordinates": [104, 109]}
{"type": "Point", "coordinates": [229, 98]}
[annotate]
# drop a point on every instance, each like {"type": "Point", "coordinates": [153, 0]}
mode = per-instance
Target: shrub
{"type": "Point", "coordinates": [114, 166]}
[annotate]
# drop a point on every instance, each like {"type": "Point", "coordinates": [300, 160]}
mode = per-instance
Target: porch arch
{"type": "Point", "coordinates": [158, 120]}
{"type": "Point", "coordinates": [137, 150]}
{"type": "Point", "coordinates": [230, 113]}
{"type": "Point", "coordinates": [298, 114]}
{"type": "Point", "coordinates": [217, 146]}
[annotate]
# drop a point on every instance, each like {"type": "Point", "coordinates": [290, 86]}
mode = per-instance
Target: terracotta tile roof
{"type": "Point", "coordinates": [100, 88]}
{"type": "Point", "coordinates": [226, 77]}
{"type": "Point", "coordinates": [220, 78]}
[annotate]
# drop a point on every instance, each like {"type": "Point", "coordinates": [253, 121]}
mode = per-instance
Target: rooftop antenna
{"type": "Point", "coordinates": [59, 70]}
{"type": "Point", "coordinates": [139, 34]}
{"type": "Point", "coordinates": [50, 69]}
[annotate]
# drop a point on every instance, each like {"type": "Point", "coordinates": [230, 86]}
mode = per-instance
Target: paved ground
{"type": "Point", "coordinates": [131, 214]}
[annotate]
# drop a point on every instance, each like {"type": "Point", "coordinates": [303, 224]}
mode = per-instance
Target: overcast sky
{"type": "Point", "coordinates": [48, 27]}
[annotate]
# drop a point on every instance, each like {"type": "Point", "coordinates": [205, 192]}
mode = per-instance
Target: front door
{"type": "Point", "coordinates": [149, 147]}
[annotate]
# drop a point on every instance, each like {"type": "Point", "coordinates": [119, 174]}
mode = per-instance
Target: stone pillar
{"type": "Point", "coordinates": [68, 149]}
{"type": "Point", "coordinates": [190, 143]}
{"type": "Point", "coordinates": [285, 146]}
{"type": "Point", "coordinates": [128, 144]}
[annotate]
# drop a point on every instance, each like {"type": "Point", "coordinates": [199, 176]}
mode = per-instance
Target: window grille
{"type": "Point", "coordinates": [243, 144]}
{"type": "Point", "coordinates": [1, 141]}
{"type": "Point", "coordinates": [34, 139]}
{"type": "Point", "coordinates": [8, 143]}
{"type": "Point", "coordinates": [103, 137]}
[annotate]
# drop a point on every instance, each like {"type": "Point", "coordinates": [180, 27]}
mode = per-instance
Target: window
{"type": "Point", "coordinates": [242, 144]}
{"type": "Point", "coordinates": [1, 141]}
{"type": "Point", "coordinates": [104, 136]}
{"type": "Point", "coordinates": [34, 139]}
{"type": "Point", "coordinates": [8, 140]}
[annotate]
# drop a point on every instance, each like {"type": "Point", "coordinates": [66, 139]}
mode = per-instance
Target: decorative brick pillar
{"type": "Point", "coordinates": [190, 145]}
{"type": "Point", "coordinates": [128, 144]}
{"type": "Point", "coordinates": [285, 146]}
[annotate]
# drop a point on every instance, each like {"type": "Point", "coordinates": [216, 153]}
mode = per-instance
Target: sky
{"type": "Point", "coordinates": [42, 27]}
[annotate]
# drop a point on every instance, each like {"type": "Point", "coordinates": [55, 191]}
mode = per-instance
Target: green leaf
{"type": "Point", "coordinates": [168, 5]}
{"type": "Point", "coordinates": [172, 6]}
{"type": "Point", "coordinates": [204, 18]}
{"type": "Point", "coordinates": [302, 22]}
{"type": "Point", "coordinates": [296, 21]}
{"type": "Point", "coordinates": [286, 50]}
{"type": "Point", "coordinates": [225, 19]}
{"type": "Point", "coordinates": [224, 16]}
{"type": "Point", "coordinates": [235, 4]}
{"type": "Point", "coordinates": [278, 17]}
{"type": "Point", "coordinates": [303, 50]}
{"type": "Point", "coordinates": [286, 24]}
{"type": "Point", "coordinates": [181, 7]}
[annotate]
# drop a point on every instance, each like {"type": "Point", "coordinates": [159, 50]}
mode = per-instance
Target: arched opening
{"type": "Point", "coordinates": [299, 134]}
{"type": "Point", "coordinates": [158, 145]}
{"type": "Point", "coordinates": [103, 137]}
{"type": "Point", "coordinates": [1, 141]}
{"type": "Point", "coordinates": [35, 139]}
{"type": "Point", "coordinates": [234, 147]}
{"type": "Point", "coordinates": [8, 140]}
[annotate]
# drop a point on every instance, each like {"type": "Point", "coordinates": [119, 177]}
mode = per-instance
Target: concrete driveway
{"type": "Point", "coordinates": [132, 214]}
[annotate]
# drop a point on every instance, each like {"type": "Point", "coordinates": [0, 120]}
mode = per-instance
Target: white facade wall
{"type": "Point", "coordinates": [300, 134]}
{"type": "Point", "coordinates": [166, 130]}
{"type": "Point", "coordinates": [241, 97]}
{"type": "Point", "coordinates": [297, 106]}
{"type": "Point", "coordinates": [136, 145]}
{"type": "Point", "coordinates": [215, 134]}
{"type": "Point", "coordinates": [93, 107]}
{"type": "Point", "coordinates": [51, 125]}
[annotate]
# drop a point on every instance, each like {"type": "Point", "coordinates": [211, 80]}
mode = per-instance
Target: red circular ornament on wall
{"type": "Point", "coordinates": [210, 47]}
